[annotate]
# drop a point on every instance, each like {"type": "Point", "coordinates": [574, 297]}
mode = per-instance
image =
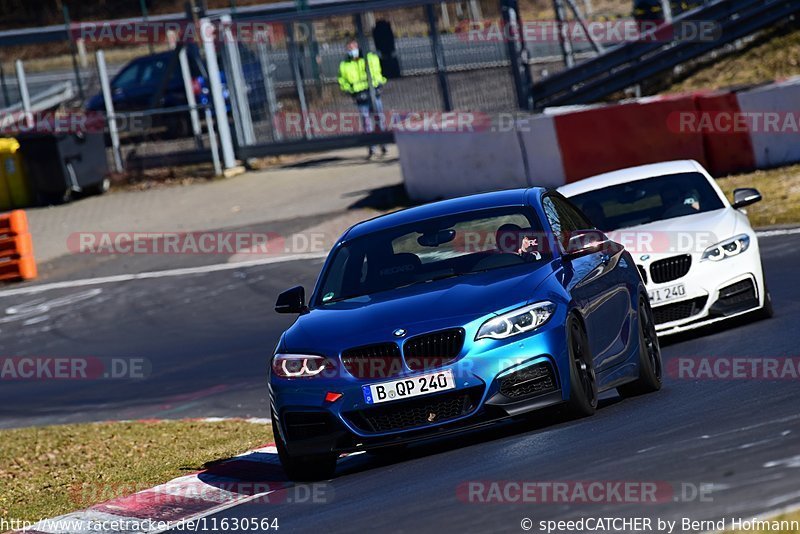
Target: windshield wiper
{"type": "Point", "coordinates": [347, 297]}
{"type": "Point", "coordinates": [445, 276]}
{"type": "Point", "coordinates": [434, 279]}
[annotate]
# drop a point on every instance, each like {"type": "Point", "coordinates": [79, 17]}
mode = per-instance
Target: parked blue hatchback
{"type": "Point", "coordinates": [155, 82]}
{"type": "Point", "coordinates": [454, 315]}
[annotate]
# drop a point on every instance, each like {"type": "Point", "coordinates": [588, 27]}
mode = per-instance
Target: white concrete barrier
{"type": "Point", "coordinates": [440, 165]}
{"type": "Point", "coordinates": [542, 153]}
{"type": "Point", "coordinates": [527, 152]}
{"type": "Point", "coordinates": [774, 146]}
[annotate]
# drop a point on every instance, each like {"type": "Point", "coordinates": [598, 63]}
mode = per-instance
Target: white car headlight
{"type": "Point", "coordinates": [517, 321]}
{"type": "Point", "coordinates": [299, 365]}
{"type": "Point", "coordinates": [725, 249]}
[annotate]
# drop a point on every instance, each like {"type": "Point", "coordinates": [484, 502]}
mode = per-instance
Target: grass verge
{"type": "Point", "coordinates": [48, 471]}
{"type": "Point", "coordinates": [781, 191]}
{"type": "Point", "coordinates": [773, 57]}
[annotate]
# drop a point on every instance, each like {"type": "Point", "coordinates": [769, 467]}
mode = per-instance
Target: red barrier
{"type": "Point", "coordinates": [726, 152]}
{"type": "Point", "coordinates": [613, 137]}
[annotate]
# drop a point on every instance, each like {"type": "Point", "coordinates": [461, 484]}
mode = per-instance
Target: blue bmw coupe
{"type": "Point", "coordinates": [454, 315]}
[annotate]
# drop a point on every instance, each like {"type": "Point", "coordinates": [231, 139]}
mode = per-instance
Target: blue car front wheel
{"type": "Point", "coordinates": [582, 379]}
{"type": "Point", "coordinates": [303, 468]}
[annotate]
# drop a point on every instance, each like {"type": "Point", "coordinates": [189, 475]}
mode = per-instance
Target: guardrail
{"type": "Point", "coordinates": [632, 63]}
{"type": "Point", "coordinates": [43, 101]}
{"type": "Point", "coordinates": [59, 32]}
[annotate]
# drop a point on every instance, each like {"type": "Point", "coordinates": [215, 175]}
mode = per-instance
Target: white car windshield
{"type": "Point", "coordinates": [648, 200]}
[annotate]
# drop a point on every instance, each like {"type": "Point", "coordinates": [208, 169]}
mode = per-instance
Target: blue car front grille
{"type": "Point", "coordinates": [421, 412]}
{"type": "Point", "coordinates": [373, 361]}
{"type": "Point", "coordinates": [430, 351]}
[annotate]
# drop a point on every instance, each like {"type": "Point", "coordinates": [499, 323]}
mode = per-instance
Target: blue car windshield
{"type": "Point", "coordinates": [433, 249]}
{"type": "Point", "coordinates": [648, 200]}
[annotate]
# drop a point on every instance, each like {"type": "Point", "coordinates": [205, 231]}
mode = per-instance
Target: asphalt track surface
{"type": "Point", "coordinates": [207, 337]}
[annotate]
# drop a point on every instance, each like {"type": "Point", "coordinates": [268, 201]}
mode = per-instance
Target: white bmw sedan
{"type": "Point", "coordinates": [696, 252]}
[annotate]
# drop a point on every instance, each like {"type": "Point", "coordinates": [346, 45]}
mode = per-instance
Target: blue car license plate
{"type": "Point", "coordinates": [406, 388]}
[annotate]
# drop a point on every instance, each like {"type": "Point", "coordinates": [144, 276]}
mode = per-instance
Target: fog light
{"type": "Point", "coordinates": [332, 396]}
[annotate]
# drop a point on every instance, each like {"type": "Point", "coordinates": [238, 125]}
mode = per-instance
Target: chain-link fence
{"type": "Point", "coordinates": [279, 72]}
{"type": "Point", "coordinates": [436, 57]}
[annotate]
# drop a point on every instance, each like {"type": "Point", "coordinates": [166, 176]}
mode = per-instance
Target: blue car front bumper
{"type": "Point", "coordinates": [494, 380]}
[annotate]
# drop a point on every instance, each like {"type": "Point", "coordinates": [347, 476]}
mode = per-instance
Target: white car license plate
{"type": "Point", "coordinates": [405, 388]}
{"type": "Point", "coordinates": [663, 294]}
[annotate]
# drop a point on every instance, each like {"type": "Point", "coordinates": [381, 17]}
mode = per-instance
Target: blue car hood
{"type": "Point", "coordinates": [417, 308]}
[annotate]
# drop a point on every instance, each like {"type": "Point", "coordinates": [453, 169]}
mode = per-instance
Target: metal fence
{"type": "Point", "coordinates": [274, 89]}
{"type": "Point", "coordinates": [289, 76]}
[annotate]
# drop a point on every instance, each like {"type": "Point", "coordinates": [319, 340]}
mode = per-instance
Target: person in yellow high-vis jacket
{"type": "Point", "coordinates": [354, 81]}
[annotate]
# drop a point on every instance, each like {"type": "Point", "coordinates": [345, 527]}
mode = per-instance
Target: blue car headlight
{"type": "Point", "coordinates": [517, 321]}
{"type": "Point", "coordinates": [725, 249]}
{"type": "Point", "coordinates": [299, 365]}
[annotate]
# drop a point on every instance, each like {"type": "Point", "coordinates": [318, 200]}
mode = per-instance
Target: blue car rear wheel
{"type": "Point", "coordinates": [650, 367]}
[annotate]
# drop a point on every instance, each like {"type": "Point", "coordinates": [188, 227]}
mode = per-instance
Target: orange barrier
{"type": "Point", "coordinates": [16, 247]}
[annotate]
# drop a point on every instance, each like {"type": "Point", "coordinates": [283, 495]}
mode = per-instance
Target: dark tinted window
{"type": "Point", "coordinates": [145, 72]}
{"type": "Point", "coordinates": [127, 78]}
{"type": "Point", "coordinates": [444, 247]}
{"type": "Point", "coordinates": [564, 218]}
{"type": "Point", "coordinates": [574, 218]}
{"type": "Point", "coordinates": [648, 200]}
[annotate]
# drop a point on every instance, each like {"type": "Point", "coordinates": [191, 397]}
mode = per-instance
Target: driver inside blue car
{"type": "Point", "coordinates": [512, 239]}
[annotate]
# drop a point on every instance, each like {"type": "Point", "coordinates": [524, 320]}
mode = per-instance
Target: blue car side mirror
{"type": "Point", "coordinates": [292, 301]}
{"type": "Point", "coordinates": [585, 242]}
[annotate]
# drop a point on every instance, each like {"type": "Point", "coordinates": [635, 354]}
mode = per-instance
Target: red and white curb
{"type": "Point", "coordinates": [240, 479]}
{"type": "Point", "coordinates": [254, 475]}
